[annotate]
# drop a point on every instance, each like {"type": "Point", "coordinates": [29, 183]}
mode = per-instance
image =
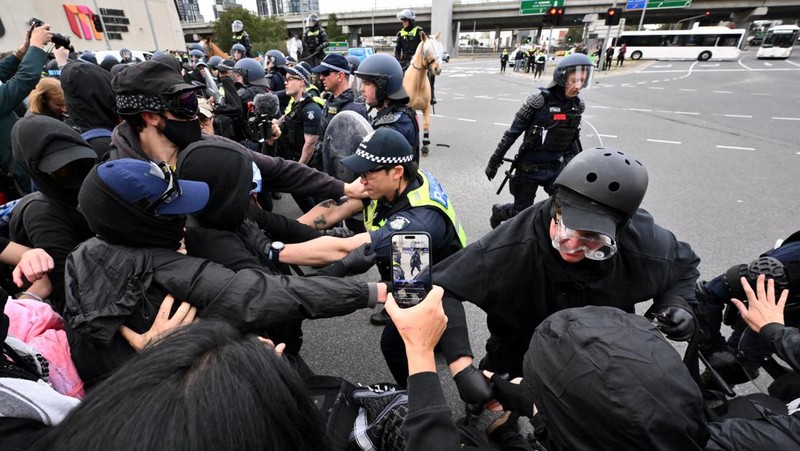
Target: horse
{"type": "Point", "coordinates": [212, 49]}
{"type": "Point", "coordinates": [415, 81]}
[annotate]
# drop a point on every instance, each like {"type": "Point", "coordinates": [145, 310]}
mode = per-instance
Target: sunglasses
{"type": "Point", "coordinates": [173, 191]}
{"type": "Point", "coordinates": [183, 104]}
{"type": "Point", "coordinates": [292, 77]}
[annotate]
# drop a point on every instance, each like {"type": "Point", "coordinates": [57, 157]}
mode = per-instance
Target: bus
{"type": "Point", "coordinates": [779, 42]}
{"type": "Point", "coordinates": [701, 43]}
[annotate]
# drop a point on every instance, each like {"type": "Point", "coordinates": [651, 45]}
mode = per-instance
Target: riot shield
{"type": "Point", "coordinates": [344, 133]}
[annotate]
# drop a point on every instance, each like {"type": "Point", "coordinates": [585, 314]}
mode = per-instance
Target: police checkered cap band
{"type": "Point", "coordinates": [364, 153]}
{"type": "Point", "coordinates": [336, 68]}
{"type": "Point", "coordinates": [135, 103]}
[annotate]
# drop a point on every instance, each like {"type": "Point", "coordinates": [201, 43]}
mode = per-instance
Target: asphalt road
{"type": "Point", "coordinates": [719, 139]}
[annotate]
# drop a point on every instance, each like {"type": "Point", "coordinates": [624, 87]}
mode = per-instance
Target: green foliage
{"type": "Point", "coordinates": [266, 33]}
{"type": "Point", "coordinates": [333, 29]}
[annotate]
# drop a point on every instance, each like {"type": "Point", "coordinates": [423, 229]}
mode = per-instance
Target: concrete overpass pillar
{"type": "Point", "coordinates": [743, 18]}
{"type": "Point", "coordinates": [442, 22]}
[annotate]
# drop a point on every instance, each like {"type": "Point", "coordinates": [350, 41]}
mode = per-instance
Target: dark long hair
{"type": "Point", "coordinates": [204, 387]}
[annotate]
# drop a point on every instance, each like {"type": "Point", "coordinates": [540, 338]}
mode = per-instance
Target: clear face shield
{"type": "Point", "coordinates": [594, 245]}
{"type": "Point", "coordinates": [579, 77]}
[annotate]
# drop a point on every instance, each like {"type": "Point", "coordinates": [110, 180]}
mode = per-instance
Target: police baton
{"type": "Point", "coordinates": [509, 173]}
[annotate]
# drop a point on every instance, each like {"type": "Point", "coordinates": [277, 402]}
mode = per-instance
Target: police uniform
{"type": "Point", "coordinates": [551, 124]}
{"type": "Point", "coordinates": [343, 102]}
{"type": "Point", "coordinates": [244, 39]}
{"type": "Point", "coordinates": [402, 119]}
{"type": "Point", "coordinates": [408, 39]}
{"type": "Point", "coordinates": [301, 118]}
{"type": "Point", "coordinates": [315, 40]}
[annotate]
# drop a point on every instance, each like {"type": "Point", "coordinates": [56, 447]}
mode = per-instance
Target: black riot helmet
{"type": "Point", "coordinates": [575, 62]}
{"type": "Point", "coordinates": [386, 73]}
{"type": "Point", "coordinates": [608, 177]}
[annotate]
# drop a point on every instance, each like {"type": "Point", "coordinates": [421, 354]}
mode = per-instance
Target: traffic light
{"type": "Point", "coordinates": [613, 15]}
{"type": "Point", "coordinates": [708, 13]}
{"type": "Point", "coordinates": [559, 15]}
{"type": "Point", "coordinates": [551, 16]}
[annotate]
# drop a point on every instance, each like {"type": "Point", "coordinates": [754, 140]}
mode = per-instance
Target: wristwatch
{"type": "Point", "coordinates": [275, 251]}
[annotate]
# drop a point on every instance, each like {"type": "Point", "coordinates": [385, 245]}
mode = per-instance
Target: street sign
{"type": "Point", "coordinates": [531, 7]}
{"type": "Point", "coordinates": [337, 47]}
{"type": "Point", "coordinates": [657, 4]}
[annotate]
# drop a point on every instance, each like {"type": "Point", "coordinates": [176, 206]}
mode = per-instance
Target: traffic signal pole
{"type": "Point", "coordinates": [641, 19]}
{"type": "Point", "coordinates": [608, 41]}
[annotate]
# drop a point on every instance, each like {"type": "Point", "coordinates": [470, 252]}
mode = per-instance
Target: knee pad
{"type": "Point", "coordinates": [770, 267]}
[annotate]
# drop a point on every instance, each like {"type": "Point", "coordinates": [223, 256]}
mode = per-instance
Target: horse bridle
{"type": "Point", "coordinates": [428, 61]}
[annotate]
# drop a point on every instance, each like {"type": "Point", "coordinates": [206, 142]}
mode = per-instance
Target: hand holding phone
{"type": "Point", "coordinates": [411, 267]}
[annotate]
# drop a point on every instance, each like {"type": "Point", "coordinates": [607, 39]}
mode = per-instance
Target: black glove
{"type": "Point", "coordinates": [360, 260]}
{"type": "Point", "coordinates": [491, 168]}
{"type": "Point", "coordinates": [514, 397]}
{"type": "Point", "coordinates": [339, 232]}
{"type": "Point", "coordinates": [473, 386]}
{"type": "Point", "coordinates": [675, 322]}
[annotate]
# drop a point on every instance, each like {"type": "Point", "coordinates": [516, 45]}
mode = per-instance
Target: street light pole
{"type": "Point", "coordinates": [641, 19]}
{"type": "Point", "coordinates": [374, 5]}
{"type": "Point", "coordinates": [607, 42]}
{"type": "Point", "coordinates": [152, 26]}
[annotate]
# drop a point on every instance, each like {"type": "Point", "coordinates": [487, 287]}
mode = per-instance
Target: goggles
{"type": "Point", "coordinates": [183, 104]}
{"type": "Point", "coordinates": [594, 245]}
{"type": "Point", "coordinates": [173, 191]}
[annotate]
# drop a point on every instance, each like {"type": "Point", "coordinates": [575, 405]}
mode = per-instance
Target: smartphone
{"type": "Point", "coordinates": [411, 267]}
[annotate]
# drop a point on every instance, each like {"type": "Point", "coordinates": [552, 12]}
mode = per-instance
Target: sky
{"type": "Point", "coordinates": [331, 6]}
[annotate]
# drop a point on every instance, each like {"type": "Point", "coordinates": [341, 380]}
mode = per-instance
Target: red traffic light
{"type": "Point", "coordinates": [611, 11]}
{"type": "Point", "coordinates": [552, 11]}
{"type": "Point", "coordinates": [708, 13]}
{"type": "Point", "coordinates": [560, 11]}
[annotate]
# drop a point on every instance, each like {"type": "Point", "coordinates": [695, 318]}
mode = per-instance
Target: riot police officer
{"type": "Point", "coordinates": [241, 37]}
{"type": "Point", "coordinates": [550, 120]}
{"type": "Point", "coordinates": [238, 51]}
{"type": "Point", "coordinates": [274, 61]}
{"type": "Point", "coordinates": [315, 41]}
{"type": "Point", "coordinates": [382, 87]}
{"type": "Point", "coordinates": [408, 39]}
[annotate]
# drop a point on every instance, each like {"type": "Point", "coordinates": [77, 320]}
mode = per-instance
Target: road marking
{"type": "Point", "coordinates": [655, 81]}
{"type": "Point", "coordinates": [655, 87]}
{"type": "Point", "coordinates": [786, 118]}
{"type": "Point", "coordinates": [746, 116]}
{"type": "Point", "coordinates": [742, 64]}
{"type": "Point", "coordinates": [510, 100]}
{"type": "Point", "coordinates": [665, 65]}
{"type": "Point", "coordinates": [687, 112]}
{"type": "Point", "coordinates": [642, 110]}
{"type": "Point", "coordinates": [768, 64]}
{"type": "Point", "coordinates": [607, 136]}
{"type": "Point", "coordinates": [669, 79]}
{"type": "Point", "coordinates": [502, 124]}
{"type": "Point", "coordinates": [466, 120]}
{"type": "Point", "coordinates": [663, 111]}
{"type": "Point", "coordinates": [641, 83]}
{"type": "Point", "coordinates": [437, 115]}
{"type": "Point", "coordinates": [601, 107]}
{"type": "Point", "coordinates": [722, 92]}
{"type": "Point", "coordinates": [709, 65]}
{"type": "Point", "coordinates": [793, 63]}
{"type": "Point", "coordinates": [483, 97]}
{"type": "Point", "coordinates": [662, 141]}
{"type": "Point", "coordinates": [760, 94]}
{"type": "Point", "coordinates": [688, 90]}
{"type": "Point", "coordinates": [735, 148]}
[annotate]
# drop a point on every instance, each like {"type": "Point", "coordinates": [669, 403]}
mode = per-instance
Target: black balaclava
{"type": "Point", "coordinates": [90, 100]}
{"type": "Point", "coordinates": [228, 171]}
{"type": "Point", "coordinates": [117, 221]}
{"type": "Point", "coordinates": [182, 133]}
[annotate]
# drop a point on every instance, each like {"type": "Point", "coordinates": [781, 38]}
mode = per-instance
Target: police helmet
{"type": "Point", "coordinates": [238, 48]}
{"type": "Point", "coordinates": [196, 54]}
{"type": "Point", "coordinates": [196, 46]}
{"type": "Point", "coordinates": [386, 73]}
{"type": "Point", "coordinates": [575, 62]}
{"type": "Point", "coordinates": [313, 20]}
{"type": "Point", "coordinates": [406, 14]}
{"type": "Point", "coordinates": [250, 69]}
{"type": "Point", "coordinates": [125, 54]}
{"type": "Point", "coordinates": [214, 61]}
{"type": "Point", "coordinates": [237, 26]}
{"type": "Point", "coordinates": [354, 63]}
{"type": "Point", "coordinates": [607, 176]}
{"type": "Point", "coordinates": [274, 59]}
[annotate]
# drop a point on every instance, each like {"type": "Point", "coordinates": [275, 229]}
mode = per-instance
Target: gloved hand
{"type": "Point", "coordinates": [492, 167]}
{"type": "Point", "coordinates": [339, 232]}
{"type": "Point", "coordinates": [473, 386]}
{"type": "Point", "coordinates": [360, 260]}
{"type": "Point", "coordinates": [514, 397]}
{"type": "Point", "coordinates": [675, 322]}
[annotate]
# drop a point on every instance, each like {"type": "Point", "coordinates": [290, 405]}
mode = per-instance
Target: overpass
{"type": "Point", "coordinates": [504, 15]}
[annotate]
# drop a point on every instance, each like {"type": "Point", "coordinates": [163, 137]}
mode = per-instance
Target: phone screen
{"type": "Point", "coordinates": [411, 267]}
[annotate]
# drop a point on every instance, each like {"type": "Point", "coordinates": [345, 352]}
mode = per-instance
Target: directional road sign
{"type": "Point", "coordinates": [656, 4]}
{"type": "Point", "coordinates": [530, 7]}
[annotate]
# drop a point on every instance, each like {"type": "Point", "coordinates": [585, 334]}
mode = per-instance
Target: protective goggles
{"type": "Point", "coordinates": [183, 104]}
{"type": "Point", "coordinates": [594, 245]}
{"type": "Point", "coordinates": [579, 76]}
{"type": "Point", "coordinates": [173, 191]}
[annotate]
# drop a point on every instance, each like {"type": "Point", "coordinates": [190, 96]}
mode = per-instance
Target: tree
{"type": "Point", "coordinates": [573, 36]}
{"type": "Point", "coordinates": [334, 30]}
{"type": "Point", "coordinates": [266, 33]}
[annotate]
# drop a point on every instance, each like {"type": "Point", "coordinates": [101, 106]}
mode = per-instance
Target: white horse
{"type": "Point", "coordinates": [415, 81]}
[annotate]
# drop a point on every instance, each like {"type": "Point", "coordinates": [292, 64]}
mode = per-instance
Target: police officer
{"type": "Point", "coordinates": [238, 51]}
{"type": "Point", "coordinates": [274, 61]}
{"type": "Point", "coordinates": [550, 120]}
{"type": "Point", "coordinates": [589, 244]}
{"type": "Point", "coordinates": [241, 37]}
{"type": "Point", "coordinates": [382, 87]}
{"type": "Point", "coordinates": [408, 39]}
{"type": "Point", "coordinates": [300, 130]}
{"type": "Point", "coordinates": [315, 41]}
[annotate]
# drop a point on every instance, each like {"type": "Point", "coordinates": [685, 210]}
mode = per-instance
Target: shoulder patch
{"type": "Point", "coordinates": [387, 119]}
{"type": "Point", "coordinates": [310, 115]}
{"type": "Point", "coordinates": [399, 223]}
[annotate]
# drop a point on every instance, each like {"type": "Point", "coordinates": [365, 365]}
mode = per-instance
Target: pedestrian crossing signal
{"type": "Point", "coordinates": [613, 16]}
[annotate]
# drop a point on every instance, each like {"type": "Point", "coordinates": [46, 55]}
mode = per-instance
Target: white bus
{"type": "Point", "coordinates": [701, 43]}
{"type": "Point", "coordinates": [779, 42]}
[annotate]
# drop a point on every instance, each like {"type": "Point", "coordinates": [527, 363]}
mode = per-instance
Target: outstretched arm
{"type": "Point", "coordinates": [321, 251]}
{"type": "Point", "coordinates": [328, 213]}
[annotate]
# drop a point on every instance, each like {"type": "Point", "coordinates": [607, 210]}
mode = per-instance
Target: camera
{"type": "Point", "coordinates": [58, 39]}
{"type": "Point", "coordinates": [259, 128]}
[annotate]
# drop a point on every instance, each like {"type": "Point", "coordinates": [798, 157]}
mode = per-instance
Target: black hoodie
{"type": "Point", "coordinates": [90, 101]}
{"type": "Point", "coordinates": [49, 219]}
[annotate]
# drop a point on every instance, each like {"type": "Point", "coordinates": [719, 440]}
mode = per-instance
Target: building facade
{"type": "Point", "coordinates": [189, 11]}
{"type": "Point", "coordinates": [300, 6]}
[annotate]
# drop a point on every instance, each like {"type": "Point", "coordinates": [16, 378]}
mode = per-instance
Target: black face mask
{"type": "Point", "coordinates": [181, 133]}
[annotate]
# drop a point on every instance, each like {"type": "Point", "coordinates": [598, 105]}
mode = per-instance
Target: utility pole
{"type": "Point", "coordinates": [641, 19]}
{"type": "Point", "coordinates": [607, 42]}
{"type": "Point", "coordinates": [103, 23]}
{"type": "Point", "coordinates": [152, 26]}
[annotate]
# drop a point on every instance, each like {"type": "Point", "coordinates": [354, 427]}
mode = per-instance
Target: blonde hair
{"type": "Point", "coordinates": [47, 89]}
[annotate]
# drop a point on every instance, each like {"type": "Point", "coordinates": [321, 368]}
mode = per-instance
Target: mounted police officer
{"type": "Point", "coordinates": [382, 87]}
{"type": "Point", "coordinates": [315, 41]}
{"type": "Point", "coordinates": [238, 52]}
{"type": "Point", "coordinates": [550, 120]}
{"type": "Point", "coordinates": [408, 39]}
{"type": "Point", "coordinates": [241, 37]}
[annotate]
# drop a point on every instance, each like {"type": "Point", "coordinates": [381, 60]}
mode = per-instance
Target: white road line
{"type": "Point", "coordinates": [793, 63]}
{"type": "Point", "coordinates": [608, 136]}
{"type": "Point", "coordinates": [601, 107]}
{"type": "Point", "coordinates": [641, 83]}
{"type": "Point", "coordinates": [437, 115]}
{"type": "Point", "coordinates": [669, 79]}
{"type": "Point", "coordinates": [722, 92]}
{"type": "Point", "coordinates": [742, 64]}
{"type": "Point", "coordinates": [502, 124]}
{"type": "Point", "coordinates": [687, 90]}
{"type": "Point", "coordinates": [746, 116]}
{"type": "Point", "coordinates": [510, 100]}
{"type": "Point", "coordinates": [466, 120]}
{"type": "Point", "coordinates": [662, 141]}
{"type": "Point", "coordinates": [655, 81]}
{"type": "Point", "coordinates": [655, 87]}
{"type": "Point", "coordinates": [735, 148]}
{"type": "Point", "coordinates": [663, 111]}
{"type": "Point", "coordinates": [786, 118]}
{"type": "Point", "coordinates": [688, 113]}
{"type": "Point", "coordinates": [641, 110]}
{"type": "Point", "coordinates": [483, 97]}
{"type": "Point", "coordinates": [760, 94]}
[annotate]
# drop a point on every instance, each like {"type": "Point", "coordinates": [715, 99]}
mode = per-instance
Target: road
{"type": "Point", "coordinates": [719, 139]}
